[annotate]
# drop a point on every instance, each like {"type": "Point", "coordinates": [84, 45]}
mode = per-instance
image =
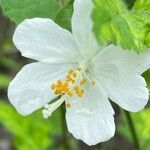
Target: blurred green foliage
{"type": "Point", "coordinates": [63, 17]}
{"type": "Point", "coordinates": [119, 26]}
{"type": "Point", "coordinates": [59, 11]}
{"type": "Point", "coordinates": [129, 3]}
{"type": "Point", "coordinates": [18, 10]}
{"type": "Point", "coordinates": [142, 9]}
{"type": "Point", "coordinates": [31, 132]}
{"type": "Point", "coordinates": [142, 5]}
{"type": "Point", "coordinates": [4, 81]}
{"type": "Point", "coordinates": [146, 75]}
{"type": "Point", "coordinates": [142, 124]}
{"type": "Point", "coordinates": [130, 29]}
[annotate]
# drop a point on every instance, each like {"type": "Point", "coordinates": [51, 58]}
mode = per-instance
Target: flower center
{"type": "Point", "coordinates": [73, 84]}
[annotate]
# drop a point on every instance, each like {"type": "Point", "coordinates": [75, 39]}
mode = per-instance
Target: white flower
{"type": "Point", "coordinates": [85, 75]}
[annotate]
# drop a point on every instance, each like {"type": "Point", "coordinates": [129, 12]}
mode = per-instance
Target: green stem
{"type": "Point", "coordinates": [132, 130]}
{"type": "Point", "coordinates": [66, 145]}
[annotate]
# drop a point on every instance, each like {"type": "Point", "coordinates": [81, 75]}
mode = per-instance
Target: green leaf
{"type": "Point", "coordinates": [142, 124]}
{"type": "Point", "coordinates": [30, 132]}
{"type": "Point", "coordinates": [18, 10]}
{"type": "Point", "coordinates": [119, 25]}
{"type": "Point", "coordinates": [142, 5]}
{"type": "Point", "coordinates": [146, 75]}
{"type": "Point", "coordinates": [142, 9]}
{"type": "Point", "coordinates": [4, 80]}
{"type": "Point", "coordinates": [129, 3]}
{"type": "Point", "coordinates": [64, 16]}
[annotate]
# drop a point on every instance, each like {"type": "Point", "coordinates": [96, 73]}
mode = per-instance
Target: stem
{"type": "Point", "coordinates": [66, 145]}
{"type": "Point", "coordinates": [132, 130]}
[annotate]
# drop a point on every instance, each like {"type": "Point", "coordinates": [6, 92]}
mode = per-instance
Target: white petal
{"type": "Point", "coordinates": [129, 92]}
{"type": "Point", "coordinates": [90, 118]}
{"type": "Point", "coordinates": [30, 89]}
{"type": "Point", "coordinates": [43, 40]}
{"type": "Point", "coordinates": [124, 59]}
{"type": "Point", "coordinates": [120, 73]}
{"type": "Point", "coordinates": [82, 28]}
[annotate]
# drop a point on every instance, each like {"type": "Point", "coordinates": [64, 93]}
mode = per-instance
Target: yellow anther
{"type": "Point", "coordinates": [60, 88]}
{"type": "Point", "coordinates": [57, 92]}
{"type": "Point", "coordinates": [66, 84]}
{"type": "Point", "coordinates": [83, 81]}
{"type": "Point", "coordinates": [53, 86]}
{"type": "Point", "coordinates": [67, 87]}
{"type": "Point", "coordinates": [74, 75]}
{"type": "Point", "coordinates": [70, 79]}
{"type": "Point", "coordinates": [80, 95]}
{"type": "Point", "coordinates": [71, 71]}
{"type": "Point", "coordinates": [78, 92]}
{"type": "Point", "coordinates": [68, 105]}
{"type": "Point", "coordinates": [76, 88]}
{"type": "Point", "coordinates": [59, 81]}
{"type": "Point", "coordinates": [82, 91]}
{"type": "Point", "coordinates": [93, 82]}
{"type": "Point", "coordinates": [79, 68]}
{"type": "Point", "coordinates": [68, 76]}
{"type": "Point", "coordinates": [73, 81]}
{"type": "Point", "coordinates": [70, 93]}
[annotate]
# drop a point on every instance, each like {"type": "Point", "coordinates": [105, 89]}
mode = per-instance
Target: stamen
{"type": "Point", "coordinates": [93, 82]}
{"type": "Point", "coordinates": [72, 84]}
{"type": "Point", "coordinates": [74, 75]}
{"type": "Point", "coordinates": [53, 86]}
{"type": "Point", "coordinates": [68, 76]}
{"type": "Point", "coordinates": [79, 68]}
{"type": "Point", "coordinates": [70, 93]}
{"type": "Point", "coordinates": [71, 71]}
{"type": "Point", "coordinates": [73, 81]}
{"type": "Point", "coordinates": [68, 105]}
{"type": "Point", "coordinates": [59, 82]}
{"type": "Point", "coordinates": [83, 81]}
{"type": "Point", "coordinates": [82, 91]}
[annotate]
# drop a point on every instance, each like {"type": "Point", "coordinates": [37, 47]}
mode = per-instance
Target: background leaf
{"type": "Point", "coordinates": [142, 5]}
{"type": "Point", "coordinates": [18, 10]}
{"type": "Point", "coordinates": [31, 132]}
{"type": "Point", "coordinates": [119, 26]}
{"type": "Point", "coordinates": [64, 15]}
{"type": "Point", "coordinates": [142, 9]}
{"type": "Point", "coordinates": [146, 75]}
{"type": "Point", "coordinates": [142, 125]}
{"type": "Point", "coordinates": [4, 80]}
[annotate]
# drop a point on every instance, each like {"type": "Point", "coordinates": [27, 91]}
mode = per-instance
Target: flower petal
{"type": "Point", "coordinates": [90, 118]}
{"type": "Point", "coordinates": [124, 60]}
{"type": "Point", "coordinates": [82, 28]}
{"type": "Point", "coordinates": [30, 89]}
{"type": "Point", "coordinates": [43, 40]}
{"type": "Point", "coordinates": [129, 92]}
{"type": "Point", "coordinates": [120, 73]}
